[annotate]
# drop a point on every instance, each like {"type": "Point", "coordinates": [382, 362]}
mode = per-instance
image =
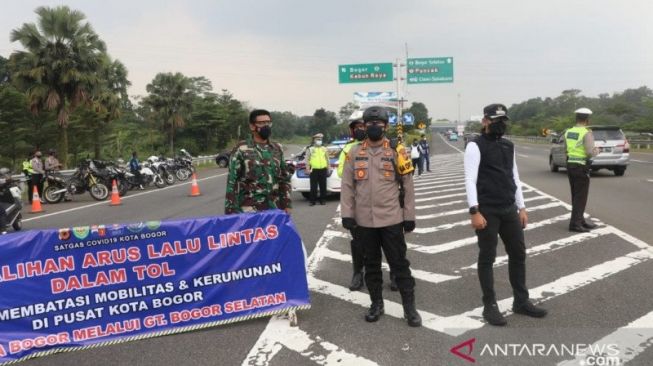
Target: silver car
{"type": "Point", "coordinates": [614, 151]}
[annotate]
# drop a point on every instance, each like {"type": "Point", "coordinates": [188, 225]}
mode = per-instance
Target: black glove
{"type": "Point", "coordinates": [348, 223]}
{"type": "Point", "coordinates": [409, 226]}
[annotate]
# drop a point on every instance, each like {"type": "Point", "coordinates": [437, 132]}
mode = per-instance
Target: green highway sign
{"type": "Point", "coordinates": [365, 73]}
{"type": "Point", "coordinates": [430, 70]}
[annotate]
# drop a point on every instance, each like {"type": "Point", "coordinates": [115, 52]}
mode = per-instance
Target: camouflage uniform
{"type": "Point", "coordinates": [258, 178]}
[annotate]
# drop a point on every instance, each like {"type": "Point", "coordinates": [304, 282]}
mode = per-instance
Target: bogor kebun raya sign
{"type": "Point", "coordinates": [76, 287]}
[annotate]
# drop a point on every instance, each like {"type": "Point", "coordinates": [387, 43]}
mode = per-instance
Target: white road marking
{"type": "Point", "coordinates": [439, 191]}
{"type": "Point", "coordinates": [434, 249]}
{"type": "Point", "coordinates": [523, 156]}
{"type": "Point", "coordinates": [429, 320]}
{"type": "Point", "coordinates": [106, 202]}
{"type": "Point", "coordinates": [279, 333]}
{"type": "Point", "coordinates": [418, 274]}
{"type": "Point", "coordinates": [433, 229]}
{"type": "Point", "coordinates": [548, 247]}
{"type": "Point", "coordinates": [424, 207]}
{"type": "Point", "coordinates": [632, 339]}
{"type": "Point", "coordinates": [427, 187]}
{"type": "Point", "coordinates": [561, 286]}
{"type": "Point", "coordinates": [642, 161]}
{"type": "Point", "coordinates": [447, 142]}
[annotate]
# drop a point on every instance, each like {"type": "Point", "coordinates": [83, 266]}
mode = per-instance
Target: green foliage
{"type": "Point", "coordinates": [632, 110]}
{"type": "Point", "coordinates": [60, 66]}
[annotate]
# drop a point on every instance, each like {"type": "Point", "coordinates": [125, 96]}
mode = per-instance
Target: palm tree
{"type": "Point", "coordinates": [171, 98]}
{"type": "Point", "coordinates": [60, 65]}
{"type": "Point", "coordinates": [110, 97]}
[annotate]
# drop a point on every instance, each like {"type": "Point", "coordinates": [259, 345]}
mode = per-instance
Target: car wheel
{"type": "Point", "coordinates": [552, 165]}
{"type": "Point", "coordinates": [306, 195]}
{"type": "Point", "coordinates": [222, 162]}
{"type": "Point", "coordinates": [619, 172]}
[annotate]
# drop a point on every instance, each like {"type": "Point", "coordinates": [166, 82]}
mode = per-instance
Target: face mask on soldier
{"type": "Point", "coordinates": [264, 132]}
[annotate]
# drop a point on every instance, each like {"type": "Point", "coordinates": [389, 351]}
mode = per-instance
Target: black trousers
{"type": "Point", "coordinates": [391, 240]}
{"type": "Point", "coordinates": [318, 177]}
{"type": "Point", "coordinates": [579, 181]}
{"type": "Point", "coordinates": [417, 164]}
{"type": "Point", "coordinates": [426, 161]}
{"type": "Point", "coordinates": [357, 251]}
{"type": "Point", "coordinates": [37, 181]}
{"type": "Point", "coordinates": [30, 188]}
{"type": "Point", "coordinates": [503, 222]}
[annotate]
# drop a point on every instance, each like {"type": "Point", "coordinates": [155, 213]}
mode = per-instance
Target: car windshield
{"type": "Point", "coordinates": [608, 135]}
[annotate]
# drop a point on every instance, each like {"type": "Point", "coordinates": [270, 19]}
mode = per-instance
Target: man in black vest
{"type": "Point", "coordinates": [496, 206]}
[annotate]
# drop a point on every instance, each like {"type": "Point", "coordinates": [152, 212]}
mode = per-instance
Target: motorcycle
{"type": "Point", "coordinates": [10, 201]}
{"type": "Point", "coordinates": [160, 165]}
{"type": "Point", "coordinates": [81, 181]}
{"type": "Point", "coordinates": [107, 172]}
{"type": "Point", "coordinates": [148, 177]}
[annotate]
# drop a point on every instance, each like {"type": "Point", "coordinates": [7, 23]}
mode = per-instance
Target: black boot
{"type": "Point", "coordinates": [393, 283]}
{"type": "Point", "coordinates": [357, 281]}
{"type": "Point", "coordinates": [375, 312]}
{"type": "Point", "coordinates": [410, 312]}
{"type": "Point", "coordinates": [376, 309]}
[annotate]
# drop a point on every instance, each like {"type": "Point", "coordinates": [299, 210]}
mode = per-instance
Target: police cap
{"type": "Point", "coordinates": [495, 110]}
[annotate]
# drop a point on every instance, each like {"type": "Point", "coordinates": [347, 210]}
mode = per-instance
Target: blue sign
{"type": "Point", "coordinates": [408, 119]}
{"type": "Point", "coordinates": [392, 119]}
{"type": "Point", "coordinates": [87, 286]}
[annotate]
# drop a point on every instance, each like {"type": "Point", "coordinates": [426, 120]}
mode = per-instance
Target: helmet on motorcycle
{"type": "Point", "coordinates": [4, 171]}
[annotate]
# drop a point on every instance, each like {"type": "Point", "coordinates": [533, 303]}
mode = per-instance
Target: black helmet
{"type": "Point", "coordinates": [375, 114]}
{"type": "Point", "coordinates": [52, 151]}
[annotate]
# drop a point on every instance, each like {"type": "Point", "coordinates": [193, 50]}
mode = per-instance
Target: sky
{"type": "Point", "coordinates": [284, 55]}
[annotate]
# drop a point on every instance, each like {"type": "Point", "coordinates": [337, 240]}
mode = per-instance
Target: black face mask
{"type": "Point", "coordinates": [359, 135]}
{"type": "Point", "coordinates": [264, 132]}
{"type": "Point", "coordinates": [498, 128]}
{"type": "Point", "coordinates": [375, 133]}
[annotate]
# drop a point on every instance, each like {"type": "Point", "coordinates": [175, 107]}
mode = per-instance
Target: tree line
{"type": "Point", "coordinates": [632, 110]}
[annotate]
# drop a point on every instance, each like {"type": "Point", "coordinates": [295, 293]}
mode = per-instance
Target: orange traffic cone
{"type": "Point", "coordinates": [194, 188]}
{"type": "Point", "coordinates": [36, 202]}
{"type": "Point", "coordinates": [115, 196]}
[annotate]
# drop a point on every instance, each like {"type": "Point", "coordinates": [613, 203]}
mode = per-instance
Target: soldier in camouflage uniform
{"type": "Point", "coordinates": [258, 178]}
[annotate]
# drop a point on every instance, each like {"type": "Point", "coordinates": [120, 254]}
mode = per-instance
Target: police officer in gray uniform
{"type": "Point", "coordinates": [371, 203]}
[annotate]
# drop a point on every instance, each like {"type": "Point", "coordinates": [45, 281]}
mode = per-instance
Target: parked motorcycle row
{"type": "Point", "coordinates": [95, 177]}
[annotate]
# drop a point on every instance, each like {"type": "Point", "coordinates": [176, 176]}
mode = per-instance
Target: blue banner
{"type": "Point", "coordinates": [92, 285]}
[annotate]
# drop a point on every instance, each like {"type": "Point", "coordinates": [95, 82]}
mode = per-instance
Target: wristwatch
{"type": "Point", "coordinates": [473, 210]}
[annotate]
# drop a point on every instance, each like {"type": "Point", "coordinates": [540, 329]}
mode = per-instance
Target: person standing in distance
{"type": "Point", "coordinates": [357, 129]}
{"type": "Point", "coordinates": [38, 175]}
{"type": "Point", "coordinates": [318, 168]}
{"type": "Point", "coordinates": [496, 206]}
{"type": "Point", "coordinates": [373, 204]}
{"type": "Point", "coordinates": [579, 143]}
{"type": "Point", "coordinates": [258, 179]}
{"type": "Point", "coordinates": [426, 152]}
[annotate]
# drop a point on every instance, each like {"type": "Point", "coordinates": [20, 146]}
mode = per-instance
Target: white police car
{"type": "Point", "coordinates": [300, 180]}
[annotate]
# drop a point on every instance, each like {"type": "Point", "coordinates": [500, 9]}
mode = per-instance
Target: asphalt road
{"type": "Point", "coordinates": [596, 286]}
